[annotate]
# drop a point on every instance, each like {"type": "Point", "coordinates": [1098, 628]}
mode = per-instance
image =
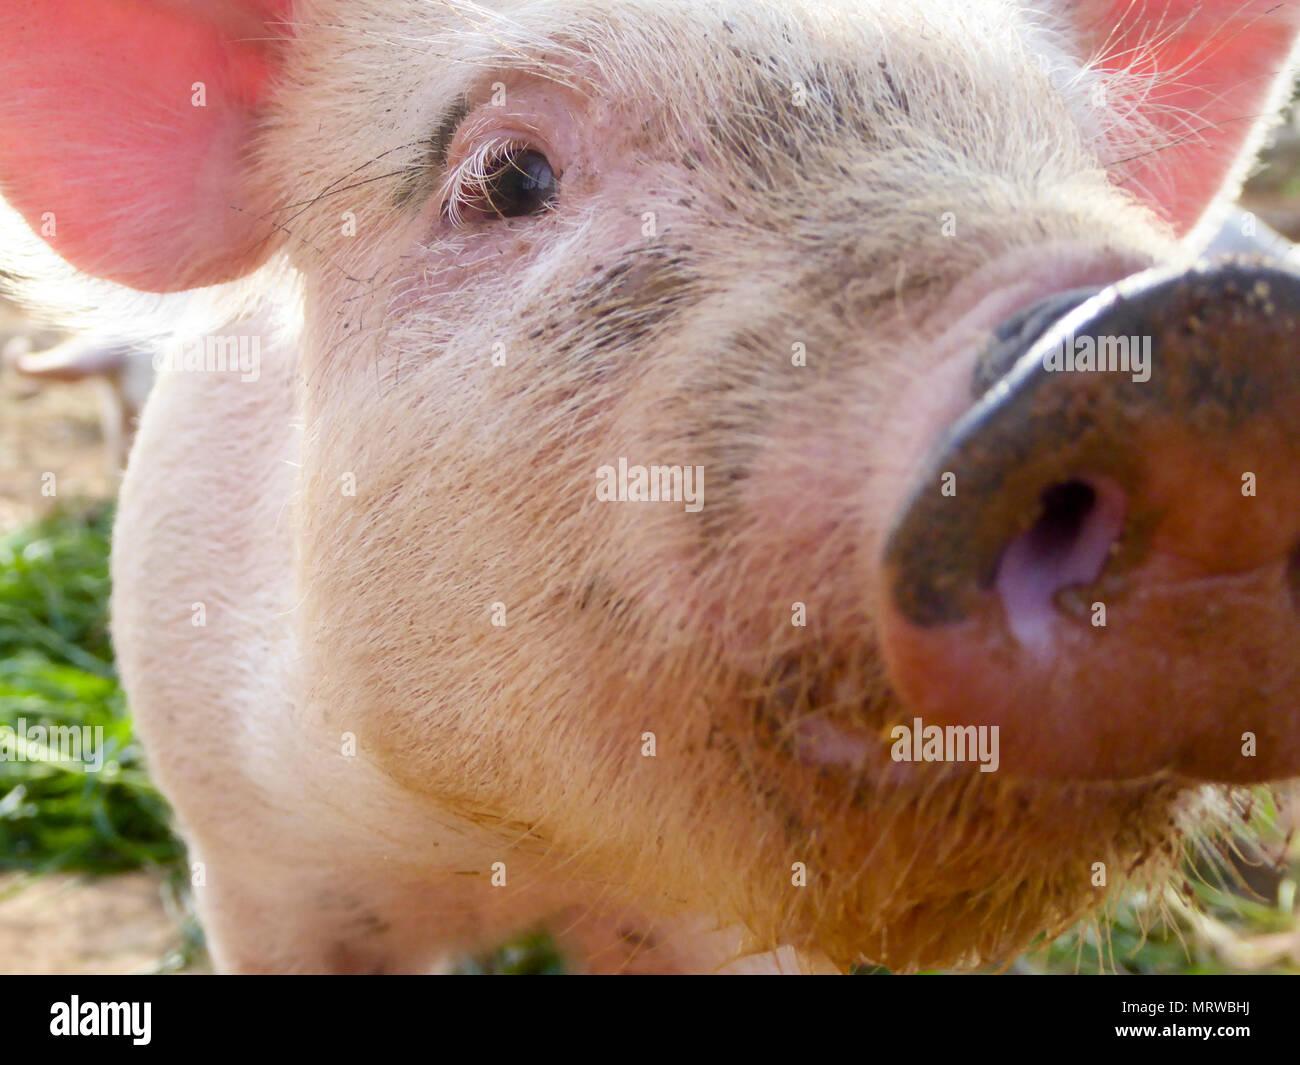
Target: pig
{"type": "Point", "coordinates": [417, 655]}
{"type": "Point", "coordinates": [121, 369]}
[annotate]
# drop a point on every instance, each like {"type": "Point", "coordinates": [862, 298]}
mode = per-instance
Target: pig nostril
{"type": "Point", "coordinates": [1068, 545]}
{"type": "Point", "coordinates": [1065, 509]}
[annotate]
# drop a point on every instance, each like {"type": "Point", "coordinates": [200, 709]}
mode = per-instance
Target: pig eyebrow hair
{"type": "Point", "coordinates": [432, 158]}
{"type": "Point", "coordinates": [452, 117]}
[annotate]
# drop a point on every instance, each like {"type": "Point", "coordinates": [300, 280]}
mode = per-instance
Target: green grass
{"type": "Point", "coordinates": [534, 954]}
{"type": "Point", "coordinates": [1220, 925]}
{"type": "Point", "coordinates": [56, 669]}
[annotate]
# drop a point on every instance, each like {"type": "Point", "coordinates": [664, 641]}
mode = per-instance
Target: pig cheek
{"type": "Point", "coordinates": [777, 563]}
{"type": "Point", "coordinates": [808, 534]}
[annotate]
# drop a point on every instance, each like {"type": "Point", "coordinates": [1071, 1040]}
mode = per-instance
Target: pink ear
{"type": "Point", "coordinates": [1221, 67]}
{"type": "Point", "coordinates": [105, 150]}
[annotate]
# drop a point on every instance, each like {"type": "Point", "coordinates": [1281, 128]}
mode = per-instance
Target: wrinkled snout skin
{"type": "Point", "coordinates": [414, 683]}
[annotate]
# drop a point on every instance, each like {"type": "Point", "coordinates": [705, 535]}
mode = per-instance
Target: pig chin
{"type": "Point", "coordinates": [911, 864]}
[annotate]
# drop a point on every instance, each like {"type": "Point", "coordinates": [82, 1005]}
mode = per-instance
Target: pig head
{"type": "Point", "coordinates": [451, 675]}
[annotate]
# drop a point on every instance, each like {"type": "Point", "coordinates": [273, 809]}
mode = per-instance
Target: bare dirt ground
{"type": "Point", "coordinates": [69, 925]}
{"type": "Point", "coordinates": [48, 429]}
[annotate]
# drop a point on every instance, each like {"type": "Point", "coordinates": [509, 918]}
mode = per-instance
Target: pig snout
{"type": "Point", "coordinates": [1102, 555]}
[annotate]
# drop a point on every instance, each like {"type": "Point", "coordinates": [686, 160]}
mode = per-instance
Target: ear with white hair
{"type": "Point", "coordinates": [1206, 77]}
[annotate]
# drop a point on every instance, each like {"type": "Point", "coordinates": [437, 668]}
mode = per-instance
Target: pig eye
{"type": "Point", "coordinates": [501, 182]}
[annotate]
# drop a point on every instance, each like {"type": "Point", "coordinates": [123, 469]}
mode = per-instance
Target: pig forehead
{"type": "Point", "coordinates": [746, 72]}
{"type": "Point", "coordinates": [781, 97]}
{"type": "Point", "coordinates": [689, 52]}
